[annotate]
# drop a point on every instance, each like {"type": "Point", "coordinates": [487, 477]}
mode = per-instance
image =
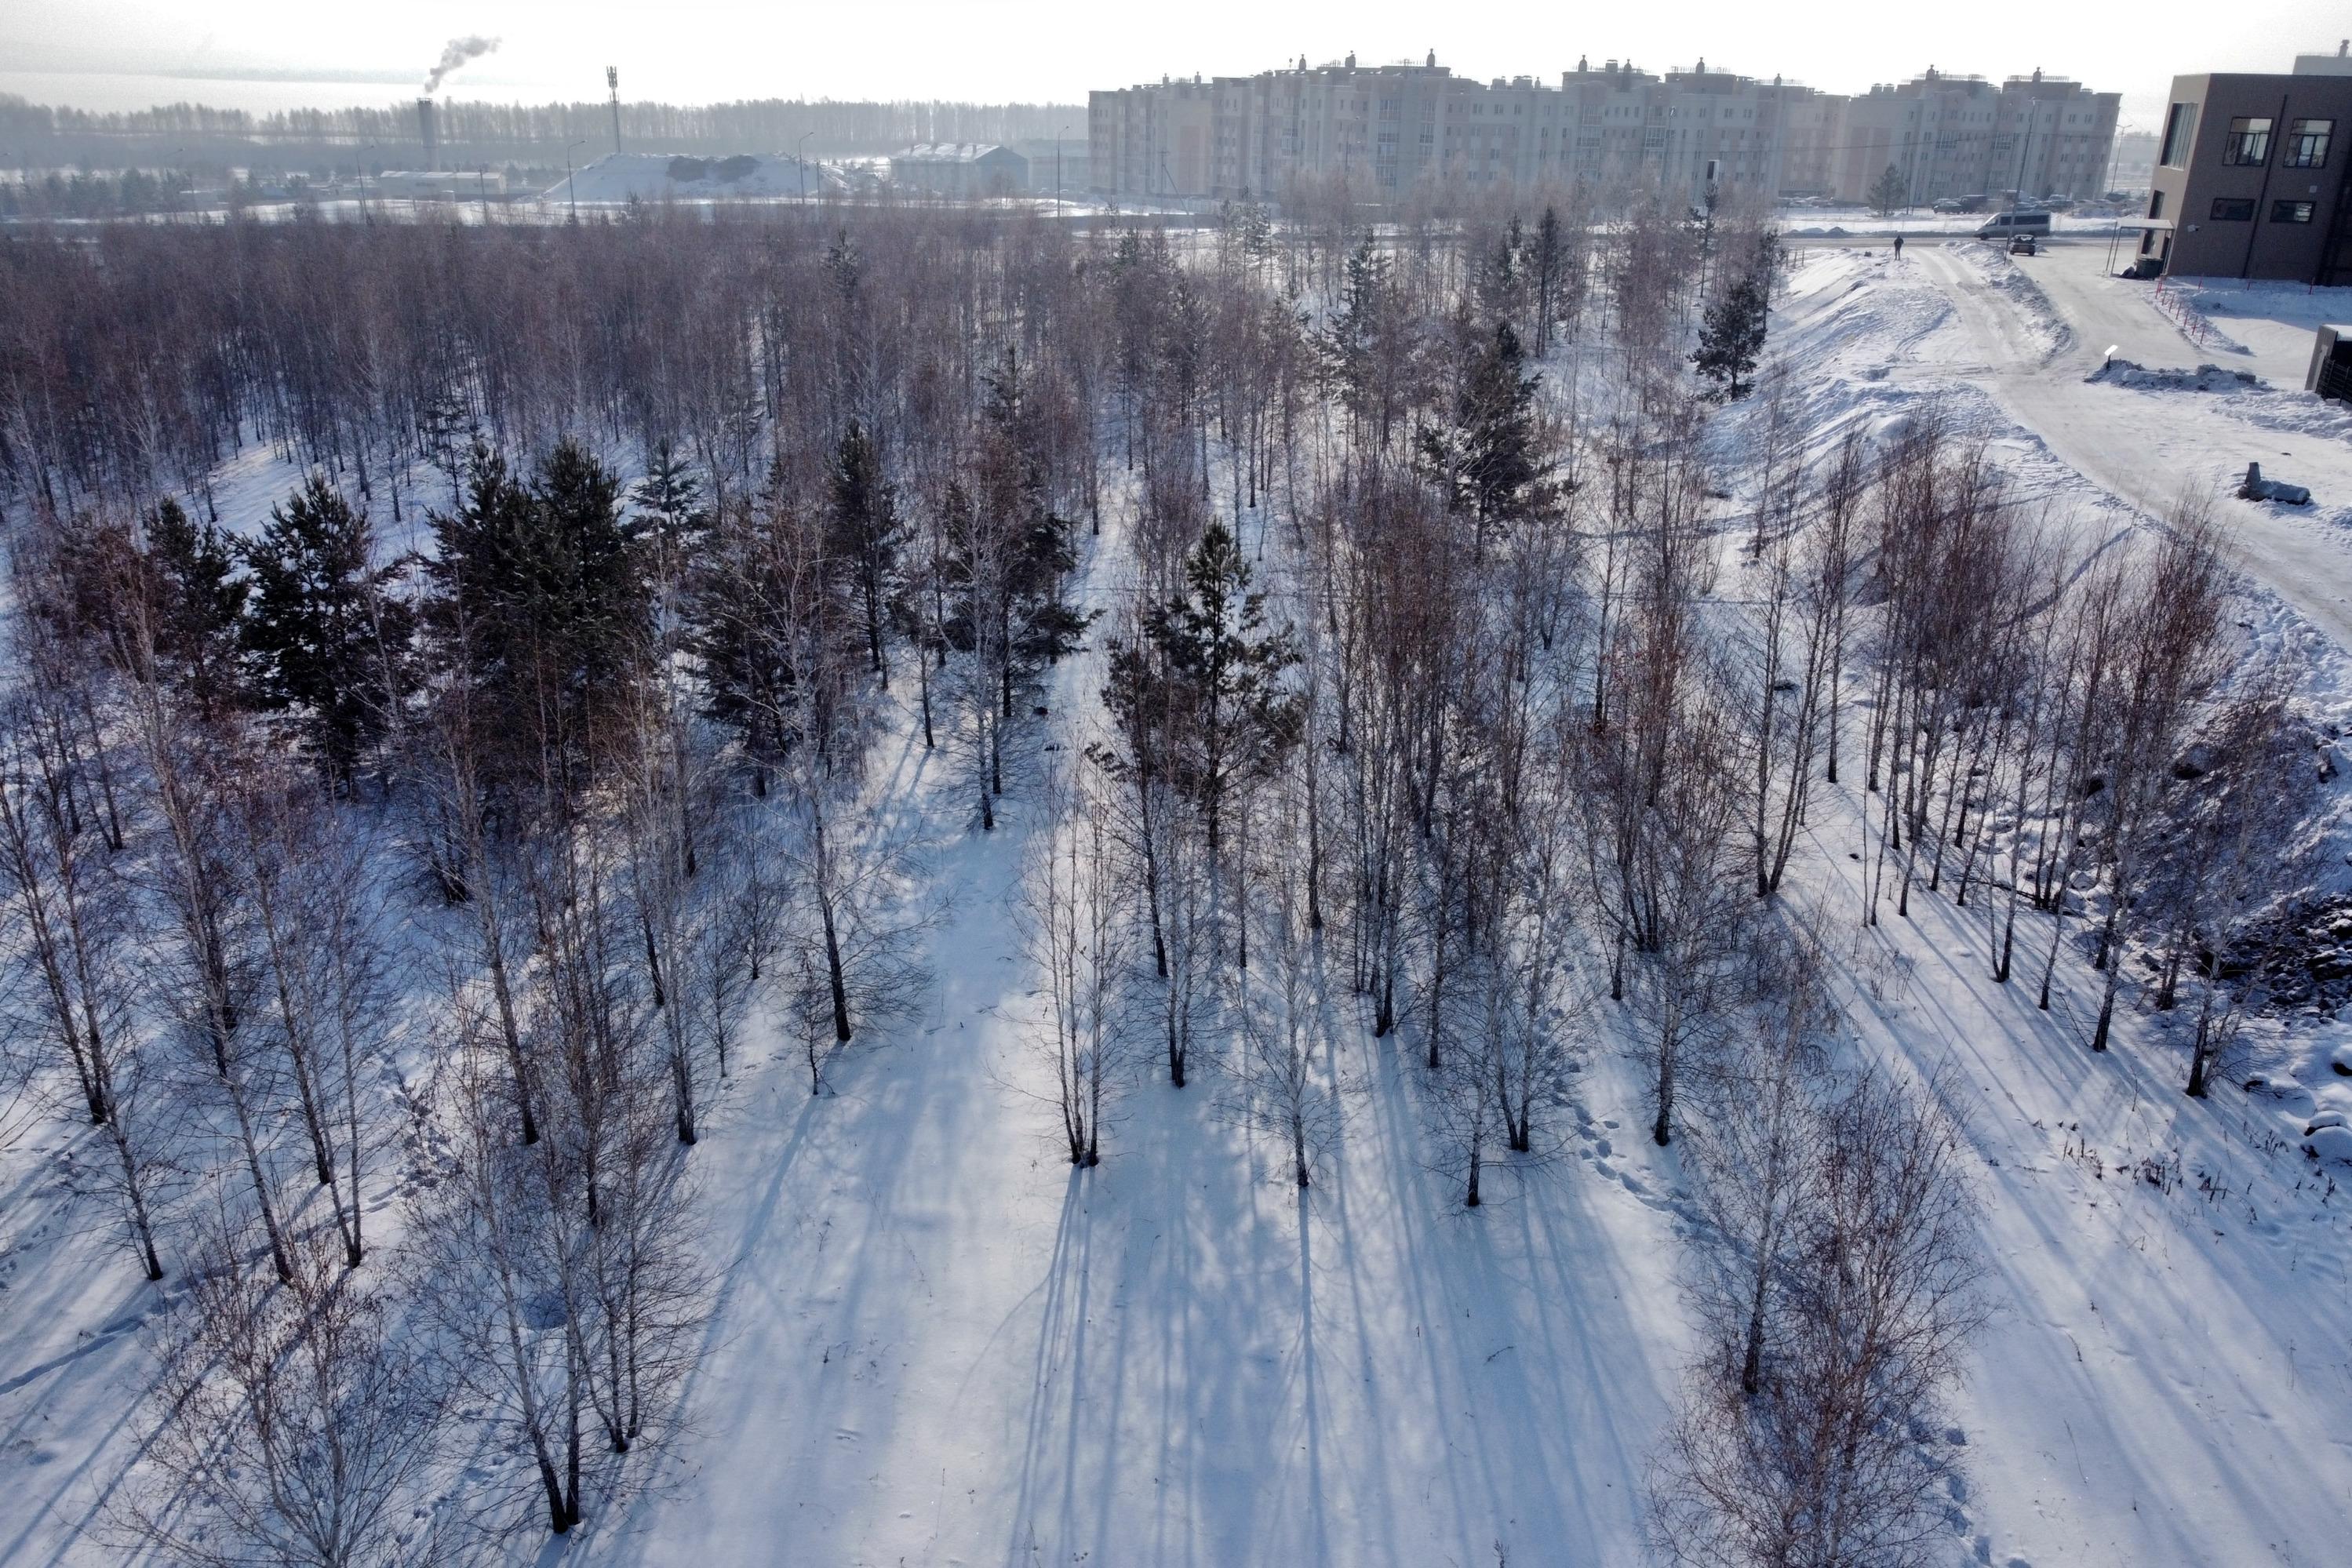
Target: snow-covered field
{"type": "Point", "coordinates": [936, 1345]}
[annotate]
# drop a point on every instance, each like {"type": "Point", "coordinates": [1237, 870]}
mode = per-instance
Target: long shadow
{"type": "Point", "coordinates": [1022, 1543]}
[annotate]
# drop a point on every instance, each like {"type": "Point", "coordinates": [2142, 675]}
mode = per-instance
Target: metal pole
{"type": "Point", "coordinates": [1058, 136]}
{"type": "Point", "coordinates": [800, 160]}
{"type": "Point", "coordinates": [570, 189]}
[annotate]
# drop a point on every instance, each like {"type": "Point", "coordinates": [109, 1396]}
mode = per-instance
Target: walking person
{"type": "Point", "coordinates": [1898, 246]}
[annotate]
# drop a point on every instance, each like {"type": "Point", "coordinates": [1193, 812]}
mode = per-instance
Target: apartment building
{"type": "Point", "coordinates": [2034, 136]}
{"type": "Point", "coordinates": [1387, 129]}
{"type": "Point", "coordinates": [1152, 143]}
{"type": "Point", "coordinates": [1390, 128]}
{"type": "Point", "coordinates": [2250, 175]}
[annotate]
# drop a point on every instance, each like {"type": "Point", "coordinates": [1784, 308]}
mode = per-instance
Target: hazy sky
{"type": "Point", "coordinates": [1045, 49]}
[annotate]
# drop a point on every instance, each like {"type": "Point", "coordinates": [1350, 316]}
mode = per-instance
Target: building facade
{"type": "Point", "coordinates": [2028, 138]}
{"type": "Point", "coordinates": [1152, 143]}
{"type": "Point", "coordinates": [1056, 164]}
{"type": "Point", "coordinates": [1387, 129]}
{"type": "Point", "coordinates": [1384, 129]}
{"type": "Point", "coordinates": [960, 169]}
{"type": "Point", "coordinates": [2250, 178]}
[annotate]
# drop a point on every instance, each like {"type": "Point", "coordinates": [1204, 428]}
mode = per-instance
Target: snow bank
{"type": "Point", "coordinates": [2204, 377]}
{"type": "Point", "coordinates": [2008, 279]}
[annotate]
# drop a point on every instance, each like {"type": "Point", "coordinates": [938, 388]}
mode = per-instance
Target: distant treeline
{"type": "Point", "coordinates": [197, 138]}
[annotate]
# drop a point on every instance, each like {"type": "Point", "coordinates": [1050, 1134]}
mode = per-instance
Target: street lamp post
{"type": "Point", "coordinates": [1059, 136]}
{"type": "Point", "coordinates": [570, 189]}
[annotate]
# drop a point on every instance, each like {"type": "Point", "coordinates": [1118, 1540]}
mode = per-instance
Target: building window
{"type": "Point", "coordinates": [2180, 131]}
{"type": "Point", "coordinates": [2233, 209]}
{"type": "Point", "coordinates": [2306, 143]}
{"type": "Point", "coordinates": [2155, 204]}
{"type": "Point", "coordinates": [2249, 140]}
{"type": "Point", "coordinates": [2291, 211]}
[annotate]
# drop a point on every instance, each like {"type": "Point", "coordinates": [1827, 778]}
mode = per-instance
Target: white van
{"type": "Point", "coordinates": [2006, 225]}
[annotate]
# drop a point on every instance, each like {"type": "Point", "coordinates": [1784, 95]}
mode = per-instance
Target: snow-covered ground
{"type": "Point", "coordinates": [936, 1345]}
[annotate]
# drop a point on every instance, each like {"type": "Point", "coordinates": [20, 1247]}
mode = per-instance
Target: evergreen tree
{"type": "Point", "coordinates": [324, 640]}
{"type": "Point", "coordinates": [1887, 191]}
{"type": "Point", "coordinates": [1486, 458]}
{"type": "Point", "coordinates": [1731, 339]}
{"type": "Point", "coordinates": [1200, 702]}
{"type": "Point", "coordinates": [1548, 265]}
{"type": "Point", "coordinates": [670, 498]}
{"type": "Point", "coordinates": [198, 603]}
{"type": "Point", "coordinates": [1009, 551]}
{"type": "Point", "coordinates": [1502, 276]}
{"type": "Point", "coordinates": [540, 598]}
{"type": "Point", "coordinates": [866, 531]}
{"type": "Point", "coordinates": [1350, 345]}
{"type": "Point", "coordinates": [740, 636]}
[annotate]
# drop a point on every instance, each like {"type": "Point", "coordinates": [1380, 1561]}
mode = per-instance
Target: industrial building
{"type": "Point", "coordinates": [2249, 175]}
{"type": "Point", "coordinates": [1056, 163]}
{"type": "Point", "coordinates": [960, 169]}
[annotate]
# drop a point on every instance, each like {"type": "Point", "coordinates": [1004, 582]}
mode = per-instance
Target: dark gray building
{"type": "Point", "coordinates": [2250, 178]}
{"type": "Point", "coordinates": [960, 169]}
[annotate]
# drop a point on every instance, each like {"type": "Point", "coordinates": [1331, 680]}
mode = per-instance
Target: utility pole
{"type": "Point", "coordinates": [800, 162]}
{"type": "Point", "coordinates": [613, 84]}
{"type": "Point", "coordinates": [1058, 135]}
{"type": "Point", "coordinates": [570, 189]}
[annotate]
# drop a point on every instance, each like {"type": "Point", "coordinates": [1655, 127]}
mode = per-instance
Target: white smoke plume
{"type": "Point", "coordinates": [456, 53]}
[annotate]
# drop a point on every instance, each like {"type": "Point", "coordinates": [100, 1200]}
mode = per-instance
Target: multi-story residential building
{"type": "Point", "coordinates": [1387, 129]}
{"type": "Point", "coordinates": [1392, 127]}
{"type": "Point", "coordinates": [2250, 177]}
{"type": "Point", "coordinates": [1950, 136]}
{"type": "Point", "coordinates": [1150, 143]}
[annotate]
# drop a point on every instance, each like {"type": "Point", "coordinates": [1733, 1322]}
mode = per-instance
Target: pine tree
{"type": "Point", "coordinates": [670, 498]}
{"type": "Point", "coordinates": [1887, 191]}
{"type": "Point", "coordinates": [1731, 339]}
{"type": "Point", "coordinates": [1016, 606]}
{"type": "Point", "coordinates": [324, 639]}
{"type": "Point", "coordinates": [866, 531]}
{"type": "Point", "coordinates": [199, 604]}
{"type": "Point", "coordinates": [1487, 458]}
{"type": "Point", "coordinates": [540, 598]}
{"type": "Point", "coordinates": [741, 638]}
{"type": "Point", "coordinates": [1548, 263]}
{"type": "Point", "coordinates": [1200, 701]}
{"type": "Point", "coordinates": [1350, 345]}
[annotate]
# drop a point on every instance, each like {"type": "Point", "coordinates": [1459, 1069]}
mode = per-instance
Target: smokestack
{"type": "Point", "coordinates": [432, 137]}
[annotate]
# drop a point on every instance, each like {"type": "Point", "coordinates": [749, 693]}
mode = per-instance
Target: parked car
{"type": "Point", "coordinates": [2021, 245]}
{"type": "Point", "coordinates": [2002, 226]}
